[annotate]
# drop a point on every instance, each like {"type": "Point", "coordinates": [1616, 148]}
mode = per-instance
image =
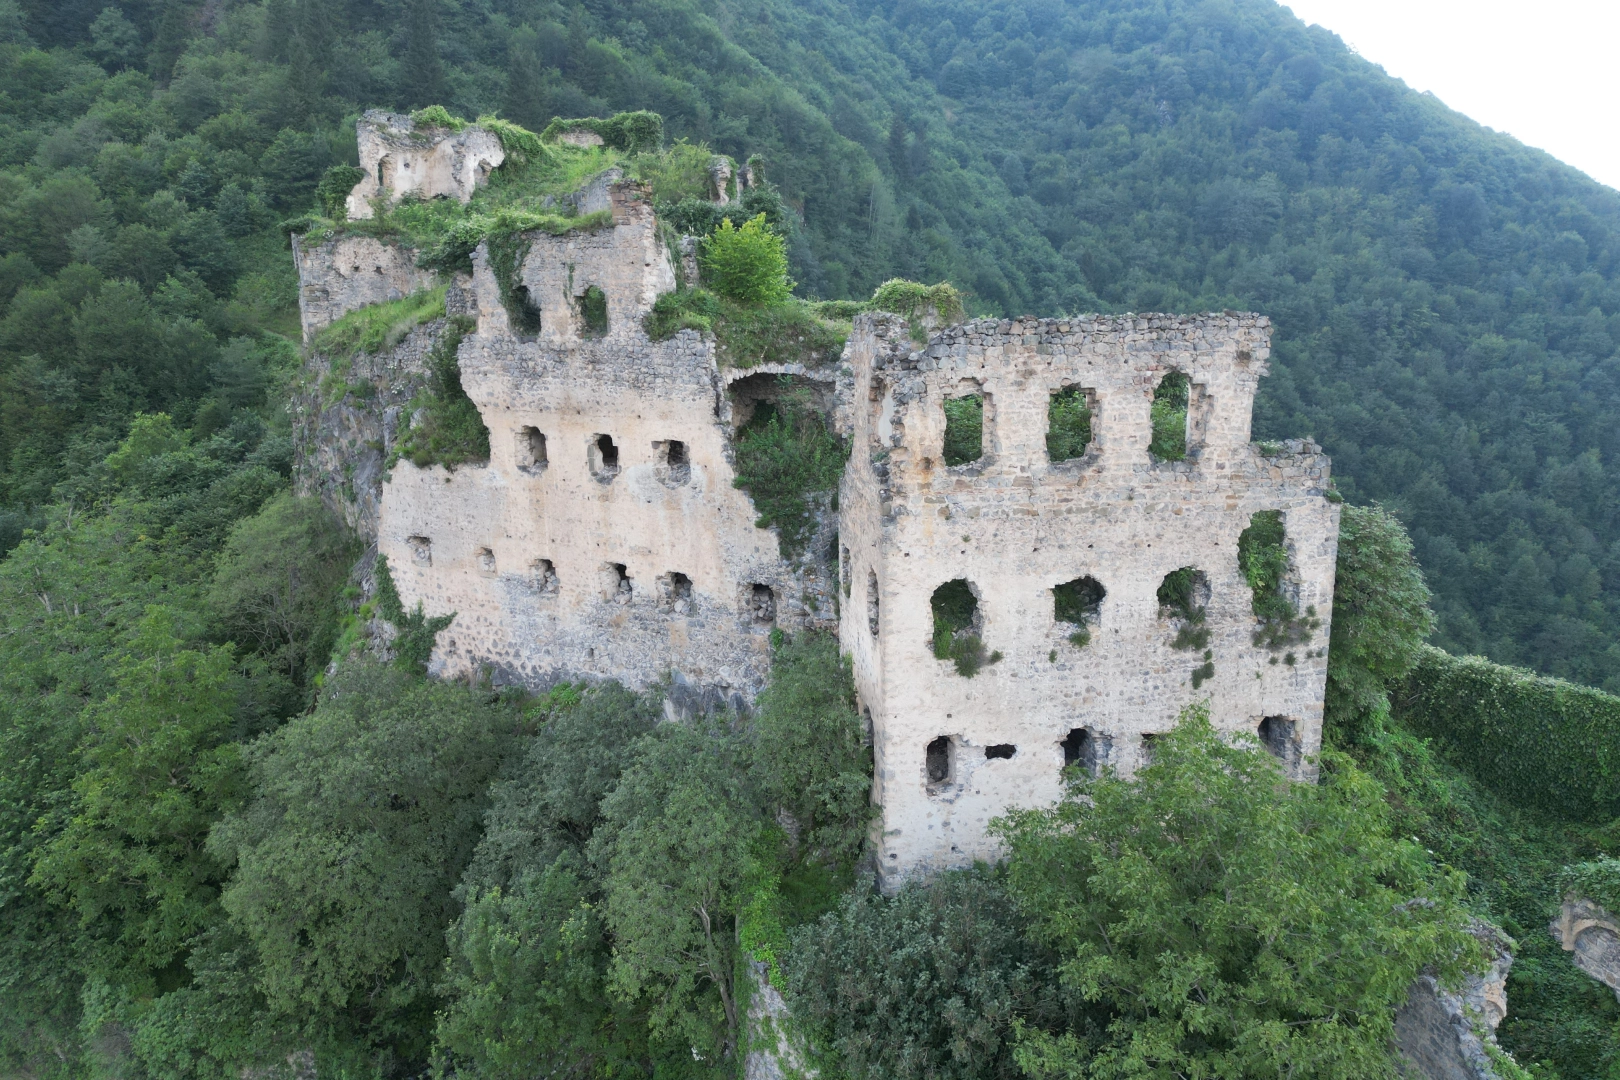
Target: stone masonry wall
{"type": "Point", "coordinates": [346, 273]}
{"type": "Point", "coordinates": [1014, 525]}
{"type": "Point", "coordinates": [562, 566]}
{"type": "Point", "coordinates": [400, 160]}
{"type": "Point", "coordinates": [1441, 1033]}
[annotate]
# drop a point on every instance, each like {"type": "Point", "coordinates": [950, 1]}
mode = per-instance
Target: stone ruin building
{"type": "Point", "coordinates": [605, 537]}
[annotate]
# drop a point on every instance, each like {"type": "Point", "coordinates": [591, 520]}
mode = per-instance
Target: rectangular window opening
{"type": "Point", "coordinates": [1000, 752]}
{"type": "Point", "coordinates": [938, 761]}
{"type": "Point", "coordinates": [544, 575]}
{"type": "Point", "coordinates": [421, 550]}
{"type": "Point", "coordinates": [1068, 423]}
{"type": "Point", "coordinates": [674, 461]}
{"type": "Point", "coordinates": [762, 603]}
{"type": "Point", "coordinates": [616, 586]}
{"type": "Point", "coordinates": [531, 450]}
{"type": "Point", "coordinates": [675, 593]}
{"type": "Point", "coordinates": [964, 429]}
{"type": "Point", "coordinates": [486, 561]}
{"type": "Point", "coordinates": [604, 457]}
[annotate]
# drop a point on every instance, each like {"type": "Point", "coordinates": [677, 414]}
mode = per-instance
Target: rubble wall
{"type": "Point", "coordinates": [564, 568]}
{"type": "Point", "coordinates": [341, 274]}
{"type": "Point", "coordinates": [1014, 525]}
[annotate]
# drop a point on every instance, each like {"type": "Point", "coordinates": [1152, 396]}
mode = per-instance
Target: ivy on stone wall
{"type": "Point", "coordinates": [1536, 741]}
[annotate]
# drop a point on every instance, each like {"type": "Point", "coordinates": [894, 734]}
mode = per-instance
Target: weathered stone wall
{"type": "Point", "coordinates": [433, 163]}
{"type": "Point", "coordinates": [1443, 1034]}
{"type": "Point", "coordinates": [1591, 935]}
{"type": "Point", "coordinates": [559, 565]}
{"type": "Point", "coordinates": [346, 273]}
{"type": "Point", "coordinates": [1014, 525]}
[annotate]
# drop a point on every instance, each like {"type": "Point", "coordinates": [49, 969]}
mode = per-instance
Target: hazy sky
{"type": "Point", "coordinates": [1545, 71]}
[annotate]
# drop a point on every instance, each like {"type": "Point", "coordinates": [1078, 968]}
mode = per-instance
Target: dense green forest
{"type": "Point", "coordinates": [230, 838]}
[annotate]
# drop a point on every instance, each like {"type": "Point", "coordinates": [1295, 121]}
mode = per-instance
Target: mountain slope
{"type": "Point", "coordinates": [1446, 300]}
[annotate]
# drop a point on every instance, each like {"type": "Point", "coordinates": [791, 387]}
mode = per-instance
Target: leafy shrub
{"type": "Point", "coordinates": [450, 431]}
{"type": "Point", "coordinates": [1176, 903]}
{"type": "Point", "coordinates": [1381, 614]}
{"type": "Point", "coordinates": [956, 628]}
{"type": "Point", "coordinates": [453, 250]}
{"type": "Point", "coordinates": [437, 116]}
{"type": "Point", "coordinates": [1180, 599]}
{"type": "Point", "coordinates": [632, 132]}
{"type": "Point", "coordinates": [1538, 741]}
{"type": "Point", "coordinates": [1263, 558]}
{"type": "Point", "coordinates": [416, 633]}
{"type": "Point", "coordinates": [334, 188]}
{"type": "Point", "coordinates": [1597, 881]}
{"type": "Point", "coordinates": [964, 429]}
{"type": "Point", "coordinates": [685, 309]}
{"type": "Point", "coordinates": [911, 300]}
{"type": "Point", "coordinates": [679, 176]}
{"type": "Point", "coordinates": [926, 986]}
{"type": "Point", "coordinates": [746, 335]}
{"type": "Point", "coordinates": [1068, 424]}
{"type": "Point", "coordinates": [380, 327]}
{"type": "Point", "coordinates": [748, 265]}
{"type": "Point", "coordinates": [1169, 442]}
{"type": "Point", "coordinates": [593, 312]}
{"type": "Point", "coordinates": [785, 456]}
{"type": "Point", "coordinates": [523, 147]}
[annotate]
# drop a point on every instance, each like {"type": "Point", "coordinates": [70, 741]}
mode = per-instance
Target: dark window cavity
{"type": "Point", "coordinates": [1078, 605]}
{"type": "Point", "coordinates": [1000, 751]}
{"type": "Point", "coordinates": [1150, 745]}
{"type": "Point", "coordinates": [616, 586]}
{"type": "Point", "coordinates": [674, 462]}
{"type": "Point", "coordinates": [844, 572]}
{"type": "Point", "coordinates": [593, 312]}
{"type": "Point", "coordinates": [523, 314]}
{"type": "Point", "coordinates": [1068, 423]}
{"type": "Point", "coordinates": [531, 450]}
{"type": "Point", "coordinates": [675, 593]}
{"type": "Point", "coordinates": [762, 603]}
{"type": "Point", "coordinates": [872, 602]}
{"type": "Point", "coordinates": [604, 457]}
{"type": "Point", "coordinates": [1280, 735]}
{"type": "Point", "coordinates": [1083, 748]}
{"type": "Point", "coordinates": [544, 575]}
{"type": "Point", "coordinates": [964, 429]}
{"type": "Point", "coordinates": [486, 561]}
{"type": "Point", "coordinates": [939, 761]}
{"type": "Point", "coordinates": [1170, 418]}
{"type": "Point", "coordinates": [421, 550]}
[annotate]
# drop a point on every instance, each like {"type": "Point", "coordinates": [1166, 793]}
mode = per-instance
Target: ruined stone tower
{"type": "Point", "coordinates": [605, 537]}
{"type": "Point", "coordinates": [954, 751]}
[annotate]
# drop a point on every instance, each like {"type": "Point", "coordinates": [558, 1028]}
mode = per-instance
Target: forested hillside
{"type": "Point", "coordinates": [1445, 299]}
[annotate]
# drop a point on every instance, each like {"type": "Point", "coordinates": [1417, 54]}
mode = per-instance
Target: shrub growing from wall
{"type": "Point", "coordinates": [1537, 741]}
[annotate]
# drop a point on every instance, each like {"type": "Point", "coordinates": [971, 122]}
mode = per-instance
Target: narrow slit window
{"type": "Point", "coordinates": [964, 429]}
{"type": "Point", "coordinates": [872, 602]}
{"type": "Point", "coordinates": [1077, 605]}
{"type": "Point", "coordinates": [616, 585]}
{"type": "Point", "coordinates": [1068, 424]}
{"type": "Point", "coordinates": [531, 450]}
{"type": "Point", "coordinates": [938, 761]}
{"type": "Point", "coordinates": [1170, 418]}
{"type": "Point", "coordinates": [486, 561]}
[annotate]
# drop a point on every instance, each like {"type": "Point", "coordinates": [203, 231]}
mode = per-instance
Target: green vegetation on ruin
{"type": "Point", "coordinates": [445, 426]}
{"type": "Point", "coordinates": [379, 327]}
{"type": "Point", "coordinates": [790, 465]}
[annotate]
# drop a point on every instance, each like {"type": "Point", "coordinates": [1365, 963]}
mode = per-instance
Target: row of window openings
{"type": "Point", "coordinates": [672, 457]}
{"type": "Point", "coordinates": [673, 591]}
{"type": "Point", "coordinates": [1090, 751]}
{"type": "Point", "coordinates": [524, 316]}
{"type": "Point", "coordinates": [1069, 415]}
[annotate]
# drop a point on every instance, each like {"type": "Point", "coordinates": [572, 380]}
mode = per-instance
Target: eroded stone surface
{"type": "Point", "coordinates": [1591, 935]}
{"type": "Point", "coordinates": [398, 160]}
{"type": "Point", "coordinates": [1015, 524]}
{"type": "Point", "coordinates": [1443, 1034]}
{"type": "Point", "coordinates": [344, 274]}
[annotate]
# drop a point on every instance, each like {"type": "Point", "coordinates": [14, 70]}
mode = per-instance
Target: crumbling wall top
{"type": "Point", "coordinates": [399, 158]}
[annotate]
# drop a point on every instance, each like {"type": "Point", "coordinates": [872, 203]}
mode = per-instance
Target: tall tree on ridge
{"type": "Point", "coordinates": [423, 82]}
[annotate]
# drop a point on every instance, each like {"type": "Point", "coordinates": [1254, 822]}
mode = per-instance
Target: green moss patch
{"type": "Point", "coordinates": [792, 332]}
{"type": "Point", "coordinates": [379, 327]}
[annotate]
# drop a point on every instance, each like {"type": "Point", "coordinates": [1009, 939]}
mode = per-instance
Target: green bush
{"type": "Point", "coordinates": [1219, 921]}
{"type": "Point", "coordinates": [1169, 442]}
{"type": "Point", "coordinates": [1178, 600]}
{"type": "Point", "coordinates": [523, 147]}
{"type": "Point", "coordinates": [964, 429]}
{"type": "Point", "coordinates": [748, 265]}
{"type": "Point", "coordinates": [927, 986]}
{"type": "Point", "coordinates": [912, 299]}
{"type": "Point", "coordinates": [956, 623]}
{"type": "Point", "coordinates": [632, 132]}
{"type": "Point", "coordinates": [745, 335]}
{"type": "Point", "coordinates": [450, 431]}
{"type": "Point", "coordinates": [379, 327]}
{"type": "Point", "coordinates": [1538, 741]}
{"type": "Point", "coordinates": [437, 116]}
{"type": "Point", "coordinates": [1068, 424]}
{"type": "Point", "coordinates": [334, 188]}
{"type": "Point", "coordinates": [786, 455]}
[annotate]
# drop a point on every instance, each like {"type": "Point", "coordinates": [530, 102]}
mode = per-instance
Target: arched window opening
{"type": "Point", "coordinates": [604, 458]}
{"type": "Point", "coordinates": [531, 450]}
{"type": "Point", "coordinates": [939, 762]}
{"type": "Point", "coordinates": [1078, 604]}
{"type": "Point", "coordinates": [959, 628]}
{"type": "Point", "coordinates": [1184, 601]}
